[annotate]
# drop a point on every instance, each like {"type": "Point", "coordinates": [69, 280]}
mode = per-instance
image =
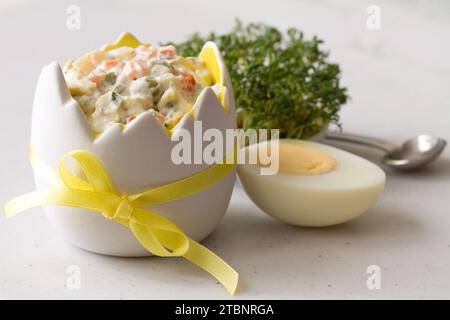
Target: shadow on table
{"type": "Point", "coordinates": [253, 240]}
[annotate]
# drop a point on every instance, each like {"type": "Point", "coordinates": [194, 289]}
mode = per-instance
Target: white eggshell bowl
{"type": "Point", "coordinates": [312, 201]}
{"type": "Point", "coordinates": [136, 156]}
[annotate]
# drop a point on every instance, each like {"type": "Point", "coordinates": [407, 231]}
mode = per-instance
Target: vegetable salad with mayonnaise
{"type": "Point", "coordinates": [117, 85]}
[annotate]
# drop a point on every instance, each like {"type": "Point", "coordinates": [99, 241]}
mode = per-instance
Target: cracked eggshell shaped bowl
{"type": "Point", "coordinates": [137, 157]}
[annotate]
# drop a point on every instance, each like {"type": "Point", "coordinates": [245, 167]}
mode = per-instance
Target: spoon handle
{"type": "Point", "coordinates": [380, 144]}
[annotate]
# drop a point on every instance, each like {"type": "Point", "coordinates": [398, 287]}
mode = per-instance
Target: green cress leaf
{"type": "Point", "coordinates": [280, 81]}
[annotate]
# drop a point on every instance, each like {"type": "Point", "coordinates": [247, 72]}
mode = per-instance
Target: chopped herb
{"type": "Point", "coordinates": [116, 98]}
{"type": "Point", "coordinates": [280, 80]}
{"type": "Point", "coordinates": [167, 65]}
{"type": "Point", "coordinates": [152, 83]}
{"type": "Point", "coordinates": [111, 77]}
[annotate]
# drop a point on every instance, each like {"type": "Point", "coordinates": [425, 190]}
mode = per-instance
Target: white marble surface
{"type": "Point", "coordinates": [398, 78]}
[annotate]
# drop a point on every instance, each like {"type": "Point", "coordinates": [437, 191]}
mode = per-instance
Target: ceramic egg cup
{"type": "Point", "coordinates": [137, 157]}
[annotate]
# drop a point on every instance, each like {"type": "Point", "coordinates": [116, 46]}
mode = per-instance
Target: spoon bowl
{"type": "Point", "coordinates": [415, 152]}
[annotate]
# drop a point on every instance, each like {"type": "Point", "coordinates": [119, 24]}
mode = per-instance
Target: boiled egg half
{"type": "Point", "coordinates": [316, 185]}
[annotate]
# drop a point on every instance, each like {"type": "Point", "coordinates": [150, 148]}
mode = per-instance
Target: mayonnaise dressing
{"type": "Point", "coordinates": [115, 86]}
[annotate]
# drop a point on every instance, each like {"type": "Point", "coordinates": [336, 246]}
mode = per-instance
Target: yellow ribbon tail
{"type": "Point", "coordinates": [24, 202]}
{"type": "Point", "coordinates": [213, 264]}
{"type": "Point", "coordinates": [180, 246]}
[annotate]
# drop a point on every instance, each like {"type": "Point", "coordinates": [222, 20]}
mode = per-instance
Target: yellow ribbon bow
{"type": "Point", "coordinates": [156, 233]}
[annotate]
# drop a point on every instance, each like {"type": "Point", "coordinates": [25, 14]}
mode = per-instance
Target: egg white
{"type": "Point", "coordinates": [315, 200]}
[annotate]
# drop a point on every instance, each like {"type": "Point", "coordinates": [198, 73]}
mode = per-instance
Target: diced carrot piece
{"type": "Point", "coordinates": [131, 70]}
{"type": "Point", "coordinates": [110, 63]}
{"type": "Point", "coordinates": [136, 68]}
{"type": "Point", "coordinates": [188, 88]}
{"type": "Point", "coordinates": [131, 118]}
{"type": "Point", "coordinates": [97, 79]}
{"type": "Point", "coordinates": [190, 80]}
{"type": "Point", "coordinates": [168, 52]}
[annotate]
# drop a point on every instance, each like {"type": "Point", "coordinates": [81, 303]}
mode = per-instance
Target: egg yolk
{"type": "Point", "coordinates": [299, 159]}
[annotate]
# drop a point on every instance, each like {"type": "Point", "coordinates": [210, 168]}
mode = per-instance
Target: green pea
{"type": "Point", "coordinates": [111, 77]}
{"type": "Point", "coordinates": [152, 83]}
{"type": "Point", "coordinates": [170, 104]}
{"type": "Point", "coordinates": [156, 94]}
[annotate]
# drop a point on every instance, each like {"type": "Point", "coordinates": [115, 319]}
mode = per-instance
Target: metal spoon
{"type": "Point", "coordinates": [414, 153]}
